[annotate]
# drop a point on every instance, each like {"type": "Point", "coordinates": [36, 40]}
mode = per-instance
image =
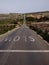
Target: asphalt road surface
{"type": "Point", "coordinates": [18, 48]}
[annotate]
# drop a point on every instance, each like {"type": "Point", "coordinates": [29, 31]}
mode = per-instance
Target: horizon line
{"type": "Point", "coordinates": [23, 12]}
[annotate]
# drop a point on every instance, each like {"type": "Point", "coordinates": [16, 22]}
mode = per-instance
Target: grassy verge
{"type": "Point", "coordinates": [44, 33]}
{"type": "Point", "coordinates": [7, 24]}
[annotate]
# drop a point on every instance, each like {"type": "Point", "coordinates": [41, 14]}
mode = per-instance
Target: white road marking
{"type": "Point", "coordinates": [17, 38]}
{"type": "Point", "coordinates": [10, 39]}
{"type": "Point", "coordinates": [25, 38]}
{"type": "Point", "coordinates": [46, 42]}
{"type": "Point", "coordinates": [6, 39]}
{"type": "Point", "coordinates": [31, 39]}
{"type": "Point", "coordinates": [40, 37]}
{"type": "Point", "coordinates": [24, 50]}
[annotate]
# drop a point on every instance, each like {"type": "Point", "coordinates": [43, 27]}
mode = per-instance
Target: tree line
{"type": "Point", "coordinates": [41, 19]}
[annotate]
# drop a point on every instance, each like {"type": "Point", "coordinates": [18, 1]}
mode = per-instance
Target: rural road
{"type": "Point", "coordinates": [23, 47]}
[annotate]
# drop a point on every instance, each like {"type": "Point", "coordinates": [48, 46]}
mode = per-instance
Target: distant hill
{"type": "Point", "coordinates": [20, 15]}
{"type": "Point", "coordinates": [38, 14]}
{"type": "Point", "coordinates": [10, 15]}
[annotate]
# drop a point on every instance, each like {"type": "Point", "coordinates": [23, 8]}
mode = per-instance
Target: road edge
{"type": "Point", "coordinates": [9, 32]}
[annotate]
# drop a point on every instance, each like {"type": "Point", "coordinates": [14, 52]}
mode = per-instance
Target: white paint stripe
{"type": "Point", "coordinates": [24, 50]}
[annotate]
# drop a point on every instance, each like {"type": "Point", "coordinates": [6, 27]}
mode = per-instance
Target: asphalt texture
{"type": "Point", "coordinates": [23, 39]}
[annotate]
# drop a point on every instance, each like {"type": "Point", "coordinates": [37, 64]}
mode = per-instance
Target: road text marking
{"type": "Point", "coordinates": [25, 38]}
{"type": "Point", "coordinates": [6, 39]}
{"type": "Point", "coordinates": [17, 38]}
{"type": "Point", "coordinates": [31, 39]}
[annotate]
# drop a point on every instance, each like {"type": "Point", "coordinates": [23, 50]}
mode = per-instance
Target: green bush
{"type": "Point", "coordinates": [30, 19]}
{"type": "Point", "coordinates": [5, 28]}
{"type": "Point", "coordinates": [44, 34]}
{"type": "Point", "coordinates": [33, 28]}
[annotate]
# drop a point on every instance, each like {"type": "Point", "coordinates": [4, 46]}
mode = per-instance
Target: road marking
{"type": "Point", "coordinates": [31, 39]}
{"type": "Point", "coordinates": [24, 50]}
{"type": "Point", "coordinates": [25, 38]}
{"type": "Point", "coordinates": [17, 38]}
{"type": "Point", "coordinates": [46, 42]}
{"type": "Point", "coordinates": [10, 39]}
{"type": "Point", "coordinates": [40, 37]}
{"type": "Point", "coordinates": [6, 39]}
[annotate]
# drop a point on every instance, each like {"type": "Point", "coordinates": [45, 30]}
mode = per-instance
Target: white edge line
{"type": "Point", "coordinates": [24, 50]}
{"type": "Point", "coordinates": [46, 42]}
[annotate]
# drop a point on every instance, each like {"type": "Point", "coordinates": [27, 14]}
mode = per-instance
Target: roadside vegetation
{"type": "Point", "coordinates": [9, 24]}
{"type": "Point", "coordinates": [6, 28]}
{"type": "Point", "coordinates": [43, 33]}
{"type": "Point", "coordinates": [6, 25]}
{"type": "Point", "coordinates": [41, 19]}
{"type": "Point", "coordinates": [37, 22]}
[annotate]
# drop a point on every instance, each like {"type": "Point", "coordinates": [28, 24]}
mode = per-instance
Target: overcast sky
{"type": "Point", "coordinates": [22, 6]}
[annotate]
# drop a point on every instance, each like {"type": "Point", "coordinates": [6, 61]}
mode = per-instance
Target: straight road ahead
{"type": "Point", "coordinates": [23, 42]}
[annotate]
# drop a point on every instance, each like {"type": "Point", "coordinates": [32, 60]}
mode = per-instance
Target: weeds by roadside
{"type": "Point", "coordinates": [44, 33]}
{"type": "Point", "coordinates": [6, 28]}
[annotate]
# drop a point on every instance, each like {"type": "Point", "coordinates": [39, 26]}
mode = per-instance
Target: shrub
{"type": "Point", "coordinates": [44, 34]}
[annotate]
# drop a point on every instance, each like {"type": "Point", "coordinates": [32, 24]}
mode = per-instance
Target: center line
{"type": "Point", "coordinates": [24, 50]}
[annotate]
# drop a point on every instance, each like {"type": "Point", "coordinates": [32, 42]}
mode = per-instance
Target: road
{"type": "Point", "coordinates": [18, 48]}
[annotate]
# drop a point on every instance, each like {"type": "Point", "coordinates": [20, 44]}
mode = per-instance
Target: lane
{"type": "Point", "coordinates": [24, 39]}
{"type": "Point", "coordinates": [27, 48]}
{"type": "Point", "coordinates": [29, 41]}
{"type": "Point", "coordinates": [24, 59]}
{"type": "Point", "coordinates": [8, 40]}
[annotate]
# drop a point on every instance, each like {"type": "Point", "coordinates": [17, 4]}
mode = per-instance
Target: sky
{"type": "Point", "coordinates": [23, 6]}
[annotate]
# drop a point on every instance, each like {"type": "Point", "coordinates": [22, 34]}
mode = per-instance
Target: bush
{"type": "Point", "coordinates": [30, 19]}
{"type": "Point", "coordinates": [45, 34]}
{"type": "Point", "coordinates": [41, 19]}
{"type": "Point", "coordinates": [33, 28]}
{"type": "Point", "coordinates": [5, 28]}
